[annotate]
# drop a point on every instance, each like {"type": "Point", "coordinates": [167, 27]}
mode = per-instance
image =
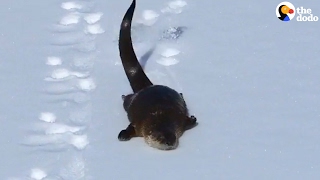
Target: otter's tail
{"type": "Point", "coordinates": [136, 76]}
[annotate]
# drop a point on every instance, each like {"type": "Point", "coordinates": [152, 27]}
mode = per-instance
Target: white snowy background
{"type": "Point", "coordinates": [252, 81]}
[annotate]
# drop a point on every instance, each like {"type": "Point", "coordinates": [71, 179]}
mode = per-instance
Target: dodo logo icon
{"type": "Point", "coordinates": [285, 11]}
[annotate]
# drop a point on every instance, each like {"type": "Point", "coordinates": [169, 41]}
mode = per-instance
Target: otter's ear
{"type": "Point", "coordinates": [126, 101]}
{"type": "Point", "coordinates": [126, 97]}
{"type": "Point", "coordinates": [191, 122]}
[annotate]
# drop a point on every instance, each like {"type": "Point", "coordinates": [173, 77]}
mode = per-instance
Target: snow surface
{"type": "Point", "coordinates": [251, 80]}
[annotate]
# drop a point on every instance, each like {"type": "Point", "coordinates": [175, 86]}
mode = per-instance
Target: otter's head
{"type": "Point", "coordinates": [163, 140]}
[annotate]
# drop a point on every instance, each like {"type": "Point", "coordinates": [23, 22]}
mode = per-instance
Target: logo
{"type": "Point", "coordinates": [285, 11]}
{"type": "Point", "coordinates": [306, 15]}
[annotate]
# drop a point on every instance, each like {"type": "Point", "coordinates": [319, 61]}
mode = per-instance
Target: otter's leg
{"type": "Point", "coordinates": [191, 122]}
{"type": "Point", "coordinates": [126, 101]}
{"type": "Point", "coordinates": [127, 134]}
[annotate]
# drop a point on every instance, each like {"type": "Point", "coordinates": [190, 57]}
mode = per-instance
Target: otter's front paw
{"type": "Point", "coordinates": [124, 135]}
{"type": "Point", "coordinates": [191, 122]}
{"type": "Point", "coordinates": [127, 134]}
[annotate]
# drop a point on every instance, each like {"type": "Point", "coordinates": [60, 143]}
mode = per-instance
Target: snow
{"type": "Point", "coordinates": [93, 17]}
{"type": "Point", "coordinates": [38, 174]}
{"type": "Point", "coordinates": [149, 17]}
{"type": "Point", "coordinates": [71, 5]}
{"type": "Point", "coordinates": [168, 61]}
{"type": "Point", "coordinates": [94, 29]}
{"type": "Point", "coordinates": [54, 61]}
{"type": "Point", "coordinates": [251, 80]}
{"type": "Point", "coordinates": [168, 52]}
{"type": "Point", "coordinates": [70, 19]}
{"type": "Point", "coordinates": [48, 117]}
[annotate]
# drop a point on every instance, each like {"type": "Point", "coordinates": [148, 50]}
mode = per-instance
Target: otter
{"type": "Point", "coordinates": [156, 112]}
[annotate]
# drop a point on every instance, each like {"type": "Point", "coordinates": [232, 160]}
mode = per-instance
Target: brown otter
{"type": "Point", "coordinates": [156, 112]}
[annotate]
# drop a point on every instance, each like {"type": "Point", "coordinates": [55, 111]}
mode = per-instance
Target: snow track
{"type": "Point", "coordinates": [68, 87]}
{"type": "Point", "coordinates": [168, 49]}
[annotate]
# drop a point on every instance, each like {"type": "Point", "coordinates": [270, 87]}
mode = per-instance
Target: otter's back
{"type": "Point", "coordinates": [156, 100]}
